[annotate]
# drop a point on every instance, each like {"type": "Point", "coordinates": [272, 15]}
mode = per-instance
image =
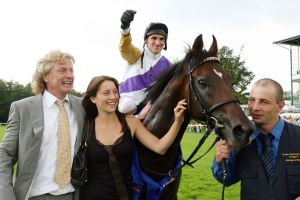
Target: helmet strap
{"type": "Point", "coordinates": [142, 56]}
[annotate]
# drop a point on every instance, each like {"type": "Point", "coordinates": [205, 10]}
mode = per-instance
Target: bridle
{"type": "Point", "coordinates": [211, 122]}
{"type": "Point", "coordinates": [207, 111]}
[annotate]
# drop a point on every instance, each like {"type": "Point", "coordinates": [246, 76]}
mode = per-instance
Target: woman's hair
{"type": "Point", "coordinates": [44, 66]}
{"type": "Point", "coordinates": [91, 91]}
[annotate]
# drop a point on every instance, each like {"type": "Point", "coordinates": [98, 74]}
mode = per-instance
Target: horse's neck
{"type": "Point", "coordinates": [158, 121]}
{"type": "Point", "coordinates": [161, 117]}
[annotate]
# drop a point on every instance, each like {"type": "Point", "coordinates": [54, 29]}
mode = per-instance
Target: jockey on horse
{"type": "Point", "coordinates": [144, 66]}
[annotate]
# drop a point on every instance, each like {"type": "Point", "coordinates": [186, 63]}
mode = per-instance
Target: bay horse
{"type": "Point", "coordinates": [200, 80]}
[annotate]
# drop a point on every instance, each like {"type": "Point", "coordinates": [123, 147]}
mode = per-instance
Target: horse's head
{"type": "Point", "coordinates": [210, 96]}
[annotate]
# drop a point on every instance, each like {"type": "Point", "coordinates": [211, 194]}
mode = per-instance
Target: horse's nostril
{"type": "Point", "coordinates": [242, 134]}
{"type": "Point", "coordinates": [238, 130]}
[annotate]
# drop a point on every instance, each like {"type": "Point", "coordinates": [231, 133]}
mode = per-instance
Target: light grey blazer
{"type": "Point", "coordinates": [22, 141]}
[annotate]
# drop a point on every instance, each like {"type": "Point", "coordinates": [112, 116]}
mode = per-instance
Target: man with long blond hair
{"type": "Point", "coordinates": [43, 132]}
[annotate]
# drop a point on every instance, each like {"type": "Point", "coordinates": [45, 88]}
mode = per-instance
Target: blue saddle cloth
{"type": "Point", "coordinates": [141, 181]}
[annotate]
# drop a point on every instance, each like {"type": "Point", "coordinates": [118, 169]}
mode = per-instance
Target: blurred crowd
{"type": "Point", "coordinates": [291, 117]}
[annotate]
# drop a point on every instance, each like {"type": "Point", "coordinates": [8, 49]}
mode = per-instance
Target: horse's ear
{"type": "Point", "coordinates": [197, 46]}
{"type": "Point", "coordinates": [214, 47]}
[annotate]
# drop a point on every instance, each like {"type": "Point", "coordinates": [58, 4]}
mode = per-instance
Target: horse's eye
{"type": "Point", "coordinates": [202, 82]}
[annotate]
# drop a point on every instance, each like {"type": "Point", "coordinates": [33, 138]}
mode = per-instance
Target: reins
{"type": "Point", "coordinates": [201, 142]}
{"type": "Point", "coordinates": [173, 173]}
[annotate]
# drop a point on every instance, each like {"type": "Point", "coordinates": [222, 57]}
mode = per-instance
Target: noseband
{"type": "Point", "coordinates": [206, 109]}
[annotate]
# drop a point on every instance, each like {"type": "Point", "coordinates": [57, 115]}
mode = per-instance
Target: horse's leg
{"type": "Point", "coordinates": [170, 191]}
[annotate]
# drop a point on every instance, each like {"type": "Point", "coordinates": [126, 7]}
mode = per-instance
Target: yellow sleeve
{"type": "Point", "coordinates": [128, 51]}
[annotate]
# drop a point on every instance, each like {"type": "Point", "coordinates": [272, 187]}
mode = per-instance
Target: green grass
{"type": "Point", "coordinates": [196, 183]}
{"type": "Point", "coordinates": [2, 131]}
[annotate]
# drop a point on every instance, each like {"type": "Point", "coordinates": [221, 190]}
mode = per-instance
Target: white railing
{"type": "Point", "coordinates": [196, 128]}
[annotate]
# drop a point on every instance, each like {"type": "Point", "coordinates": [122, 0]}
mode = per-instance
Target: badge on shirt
{"type": "Point", "coordinates": [291, 158]}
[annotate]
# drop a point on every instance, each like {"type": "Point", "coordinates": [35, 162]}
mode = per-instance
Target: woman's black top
{"type": "Point", "coordinates": [100, 185]}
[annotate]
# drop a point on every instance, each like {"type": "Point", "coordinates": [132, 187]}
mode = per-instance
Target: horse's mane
{"type": "Point", "coordinates": [154, 91]}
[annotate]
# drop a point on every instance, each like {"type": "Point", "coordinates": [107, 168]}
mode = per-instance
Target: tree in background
{"type": "Point", "coordinates": [287, 95]}
{"type": "Point", "coordinates": [9, 92]}
{"type": "Point", "coordinates": [238, 73]}
{"type": "Point", "coordinates": [76, 93]}
{"type": "Point", "coordinates": [3, 101]}
{"type": "Point", "coordinates": [12, 91]}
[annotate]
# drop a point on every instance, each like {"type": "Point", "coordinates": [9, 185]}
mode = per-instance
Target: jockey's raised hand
{"type": "Point", "coordinates": [126, 18]}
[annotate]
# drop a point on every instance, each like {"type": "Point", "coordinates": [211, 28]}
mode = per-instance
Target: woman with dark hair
{"type": "Point", "coordinates": [110, 146]}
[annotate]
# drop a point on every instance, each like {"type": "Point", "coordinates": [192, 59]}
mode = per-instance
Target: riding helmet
{"type": "Point", "coordinates": [157, 28]}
